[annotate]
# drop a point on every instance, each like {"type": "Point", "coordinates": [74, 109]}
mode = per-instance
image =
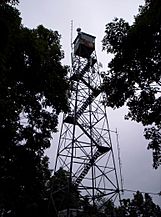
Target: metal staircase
{"type": "Point", "coordinates": [85, 104]}
{"type": "Point", "coordinates": [100, 151]}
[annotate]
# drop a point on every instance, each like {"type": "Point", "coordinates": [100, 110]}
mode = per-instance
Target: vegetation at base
{"type": "Point", "coordinates": [60, 198]}
{"type": "Point", "coordinates": [139, 205]}
{"type": "Point", "coordinates": [134, 75]}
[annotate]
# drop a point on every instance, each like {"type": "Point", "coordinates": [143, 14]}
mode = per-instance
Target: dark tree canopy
{"type": "Point", "coordinates": [33, 91]}
{"type": "Point", "coordinates": [12, 2]}
{"type": "Point", "coordinates": [140, 205]}
{"type": "Point", "coordinates": [134, 76]}
{"type": "Point", "coordinates": [61, 198]}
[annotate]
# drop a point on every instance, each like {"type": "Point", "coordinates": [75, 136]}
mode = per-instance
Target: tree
{"type": "Point", "coordinates": [11, 2]}
{"type": "Point", "coordinates": [140, 205]}
{"type": "Point", "coordinates": [134, 76]}
{"type": "Point", "coordinates": [61, 198]}
{"type": "Point", "coordinates": [33, 91]}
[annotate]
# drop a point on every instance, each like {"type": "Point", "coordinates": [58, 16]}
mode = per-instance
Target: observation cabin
{"type": "Point", "coordinates": [84, 44]}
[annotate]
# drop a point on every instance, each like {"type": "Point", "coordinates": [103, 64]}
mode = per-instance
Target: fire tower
{"type": "Point", "coordinates": [85, 148]}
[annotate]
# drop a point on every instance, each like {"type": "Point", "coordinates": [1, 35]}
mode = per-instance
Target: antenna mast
{"type": "Point", "coordinates": [71, 36]}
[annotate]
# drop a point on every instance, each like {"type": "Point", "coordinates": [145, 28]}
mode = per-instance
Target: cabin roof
{"type": "Point", "coordinates": [83, 33]}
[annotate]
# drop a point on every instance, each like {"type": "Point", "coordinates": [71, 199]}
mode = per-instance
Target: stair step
{"type": "Point", "coordinates": [101, 150]}
{"type": "Point", "coordinates": [77, 75]}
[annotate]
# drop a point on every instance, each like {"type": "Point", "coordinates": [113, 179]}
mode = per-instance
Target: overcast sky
{"type": "Point", "coordinates": [92, 16]}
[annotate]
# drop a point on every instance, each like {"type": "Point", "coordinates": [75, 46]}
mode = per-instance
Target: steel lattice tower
{"type": "Point", "coordinates": [85, 148]}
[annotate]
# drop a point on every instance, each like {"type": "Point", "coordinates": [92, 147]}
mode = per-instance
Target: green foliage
{"type": "Point", "coordinates": [63, 196]}
{"type": "Point", "coordinates": [12, 2]}
{"type": "Point", "coordinates": [134, 75]}
{"type": "Point", "coordinates": [139, 205]}
{"type": "Point", "coordinates": [33, 91]}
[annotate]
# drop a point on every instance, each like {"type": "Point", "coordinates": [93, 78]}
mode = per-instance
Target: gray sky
{"type": "Point", "coordinates": [92, 16]}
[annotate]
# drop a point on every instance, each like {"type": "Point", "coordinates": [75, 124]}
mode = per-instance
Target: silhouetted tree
{"type": "Point", "coordinates": [61, 197]}
{"type": "Point", "coordinates": [134, 76]}
{"type": "Point", "coordinates": [140, 205]}
{"type": "Point", "coordinates": [33, 91]}
{"type": "Point", "coordinates": [12, 2]}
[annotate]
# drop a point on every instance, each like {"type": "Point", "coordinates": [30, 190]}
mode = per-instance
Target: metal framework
{"type": "Point", "coordinates": [85, 148]}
